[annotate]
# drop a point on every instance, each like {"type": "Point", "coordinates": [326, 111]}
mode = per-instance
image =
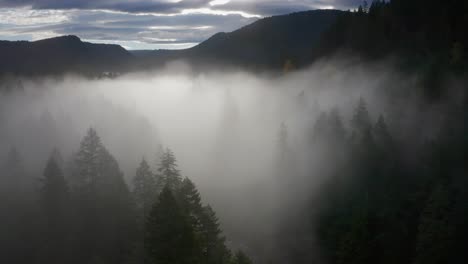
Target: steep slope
{"type": "Point", "coordinates": [266, 43]}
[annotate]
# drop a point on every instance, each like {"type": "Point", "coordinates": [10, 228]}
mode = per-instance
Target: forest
{"type": "Point", "coordinates": [379, 202]}
{"type": "Point", "coordinates": [359, 156]}
{"type": "Point", "coordinates": [86, 213]}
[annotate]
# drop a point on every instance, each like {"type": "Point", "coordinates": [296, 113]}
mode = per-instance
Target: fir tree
{"type": "Point", "coordinates": [88, 161]}
{"type": "Point", "coordinates": [170, 175]}
{"type": "Point", "coordinates": [213, 246]}
{"type": "Point", "coordinates": [145, 188]}
{"type": "Point", "coordinates": [55, 206]}
{"type": "Point", "coordinates": [169, 237]}
{"type": "Point", "coordinates": [191, 203]}
{"type": "Point", "coordinates": [105, 228]}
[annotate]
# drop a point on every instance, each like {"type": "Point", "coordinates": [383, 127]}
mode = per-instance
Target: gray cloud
{"type": "Point", "coordinates": [129, 30]}
{"type": "Point", "coordinates": [139, 24]}
{"type": "Point", "coordinates": [278, 7]}
{"type": "Point", "coordinates": [261, 7]}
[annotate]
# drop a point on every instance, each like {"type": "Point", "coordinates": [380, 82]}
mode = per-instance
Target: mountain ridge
{"type": "Point", "coordinates": [266, 44]}
{"type": "Point", "coordinates": [61, 55]}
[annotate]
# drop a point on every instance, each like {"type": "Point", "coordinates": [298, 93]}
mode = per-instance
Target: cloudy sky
{"type": "Point", "coordinates": [143, 24]}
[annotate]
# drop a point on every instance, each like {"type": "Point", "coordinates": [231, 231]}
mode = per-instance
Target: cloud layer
{"type": "Point", "coordinates": [139, 24]}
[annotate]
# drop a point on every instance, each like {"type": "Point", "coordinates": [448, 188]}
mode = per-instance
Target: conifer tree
{"type": "Point", "coordinates": [88, 162]}
{"type": "Point", "coordinates": [105, 227]}
{"type": "Point", "coordinates": [145, 188]}
{"type": "Point", "coordinates": [55, 206]}
{"type": "Point", "coordinates": [170, 175]}
{"type": "Point", "coordinates": [191, 203]}
{"type": "Point", "coordinates": [169, 237]}
{"type": "Point", "coordinates": [213, 246]}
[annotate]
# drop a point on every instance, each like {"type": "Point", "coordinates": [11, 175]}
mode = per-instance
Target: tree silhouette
{"type": "Point", "coordinates": [169, 237]}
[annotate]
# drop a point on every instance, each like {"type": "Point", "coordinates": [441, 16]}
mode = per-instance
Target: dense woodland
{"type": "Point", "coordinates": [426, 37]}
{"type": "Point", "coordinates": [383, 199]}
{"type": "Point", "coordinates": [387, 200]}
{"type": "Point", "coordinates": [380, 202]}
{"type": "Point", "coordinates": [82, 211]}
{"type": "Point", "coordinates": [377, 203]}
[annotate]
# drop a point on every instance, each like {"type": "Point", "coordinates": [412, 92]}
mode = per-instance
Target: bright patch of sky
{"type": "Point", "coordinates": [143, 24]}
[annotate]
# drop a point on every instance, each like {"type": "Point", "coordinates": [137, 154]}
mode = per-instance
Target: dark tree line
{"type": "Point", "coordinates": [82, 211]}
{"type": "Point", "coordinates": [379, 203]}
{"type": "Point", "coordinates": [426, 37]}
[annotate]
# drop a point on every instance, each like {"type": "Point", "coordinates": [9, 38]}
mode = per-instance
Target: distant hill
{"type": "Point", "coordinates": [266, 43]}
{"type": "Point", "coordinates": [60, 55]}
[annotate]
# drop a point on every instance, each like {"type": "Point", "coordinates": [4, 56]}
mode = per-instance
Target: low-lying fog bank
{"type": "Point", "coordinates": [224, 128]}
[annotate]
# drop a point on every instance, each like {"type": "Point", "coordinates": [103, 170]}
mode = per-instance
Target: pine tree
{"type": "Point", "coordinates": [170, 175]}
{"type": "Point", "coordinates": [191, 203]}
{"type": "Point", "coordinates": [55, 206]}
{"type": "Point", "coordinates": [103, 203]}
{"type": "Point", "coordinates": [169, 237]}
{"type": "Point", "coordinates": [88, 162]}
{"type": "Point", "coordinates": [213, 248]}
{"type": "Point", "coordinates": [191, 206]}
{"type": "Point", "coordinates": [145, 188]}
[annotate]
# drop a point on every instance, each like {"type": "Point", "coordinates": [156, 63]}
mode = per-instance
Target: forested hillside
{"type": "Point", "coordinates": [350, 149]}
{"type": "Point", "coordinates": [82, 211]}
{"type": "Point", "coordinates": [388, 200]}
{"type": "Point", "coordinates": [426, 37]}
{"type": "Point", "coordinates": [381, 202]}
{"type": "Point", "coordinates": [267, 44]}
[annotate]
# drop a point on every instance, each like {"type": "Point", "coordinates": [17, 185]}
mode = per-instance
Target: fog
{"type": "Point", "coordinates": [223, 127]}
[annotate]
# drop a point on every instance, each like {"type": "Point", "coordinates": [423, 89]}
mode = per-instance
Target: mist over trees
{"type": "Point", "coordinates": [338, 181]}
{"type": "Point", "coordinates": [358, 159]}
{"type": "Point", "coordinates": [86, 213]}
